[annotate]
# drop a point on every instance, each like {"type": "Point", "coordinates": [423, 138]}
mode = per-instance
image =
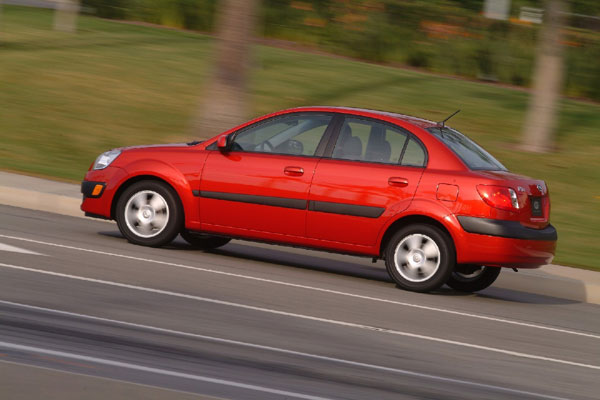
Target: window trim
{"type": "Point", "coordinates": [409, 135]}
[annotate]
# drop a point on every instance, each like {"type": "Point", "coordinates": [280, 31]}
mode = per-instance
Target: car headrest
{"type": "Point", "coordinates": [380, 152]}
{"type": "Point", "coordinates": [352, 148]}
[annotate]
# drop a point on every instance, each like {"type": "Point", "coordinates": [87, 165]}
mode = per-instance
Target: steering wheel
{"type": "Point", "coordinates": [295, 147]}
{"type": "Point", "coordinates": [266, 145]}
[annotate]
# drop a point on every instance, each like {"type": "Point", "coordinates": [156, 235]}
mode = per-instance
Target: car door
{"type": "Point", "coordinates": [261, 185]}
{"type": "Point", "coordinates": [373, 173]}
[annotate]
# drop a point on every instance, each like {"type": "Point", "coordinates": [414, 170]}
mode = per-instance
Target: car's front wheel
{"type": "Point", "coordinates": [472, 278]}
{"type": "Point", "coordinates": [148, 213]}
{"type": "Point", "coordinates": [202, 241]}
{"type": "Point", "coordinates": [420, 257]}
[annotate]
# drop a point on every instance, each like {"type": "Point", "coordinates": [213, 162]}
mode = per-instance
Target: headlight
{"type": "Point", "coordinates": [105, 159]}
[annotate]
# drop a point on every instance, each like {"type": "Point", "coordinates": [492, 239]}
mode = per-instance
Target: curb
{"type": "Point", "coordinates": [550, 280]}
{"type": "Point", "coordinates": [33, 200]}
{"type": "Point", "coordinates": [546, 282]}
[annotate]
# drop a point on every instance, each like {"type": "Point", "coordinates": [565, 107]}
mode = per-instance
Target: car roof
{"type": "Point", "coordinates": [420, 122]}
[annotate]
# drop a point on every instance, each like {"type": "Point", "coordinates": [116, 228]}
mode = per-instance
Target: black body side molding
{"type": "Point", "coordinates": [298, 204]}
{"type": "Point", "coordinates": [254, 199]}
{"type": "Point", "coordinates": [346, 209]}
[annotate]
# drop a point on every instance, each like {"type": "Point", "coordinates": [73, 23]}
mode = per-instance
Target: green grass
{"type": "Point", "coordinates": [65, 98]}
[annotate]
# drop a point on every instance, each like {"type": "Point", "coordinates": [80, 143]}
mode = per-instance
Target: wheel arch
{"type": "Point", "coordinates": [411, 219]}
{"type": "Point", "coordinates": [138, 178]}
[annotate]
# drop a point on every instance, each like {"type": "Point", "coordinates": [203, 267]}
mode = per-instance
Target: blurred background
{"type": "Point", "coordinates": [80, 77]}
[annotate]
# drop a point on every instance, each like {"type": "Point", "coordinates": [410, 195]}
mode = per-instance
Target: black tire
{"type": "Point", "coordinates": [149, 213]}
{"type": "Point", "coordinates": [420, 257]}
{"type": "Point", "coordinates": [205, 242]}
{"type": "Point", "coordinates": [472, 278]}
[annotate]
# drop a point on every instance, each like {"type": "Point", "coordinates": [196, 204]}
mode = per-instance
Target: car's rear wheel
{"type": "Point", "coordinates": [148, 213]}
{"type": "Point", "coordinates": [472, 278]}
{"type": "Point", "coordinates": [202, 241]}
{"type": "Point", "coordinates": [420, 257]}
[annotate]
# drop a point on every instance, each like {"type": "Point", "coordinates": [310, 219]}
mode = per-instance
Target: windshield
{"type": "Point", "coordinates": [469, 152]}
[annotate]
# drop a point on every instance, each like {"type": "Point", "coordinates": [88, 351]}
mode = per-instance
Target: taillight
{"type": "Point", "coordinates": [501, 197]}
{"type": "Point", "coordinates": [545, 204]}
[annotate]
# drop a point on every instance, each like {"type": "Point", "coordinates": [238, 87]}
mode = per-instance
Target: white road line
{"type": "Point", "coordinates": [330, 291]}
{"type": "Point", "coordinates": [103, 378]}
{"type": "Point", "coordinates": [303, 316]}
{"type": "Point", "coordinates": [6, 247]}
{"type": "Point", "coordinates": [120, 364]}
{"type": "Point", "coordinates": [285, 351]}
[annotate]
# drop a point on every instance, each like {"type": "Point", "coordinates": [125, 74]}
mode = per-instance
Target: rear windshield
{"type": "Point", "coordinates": [469, 152]}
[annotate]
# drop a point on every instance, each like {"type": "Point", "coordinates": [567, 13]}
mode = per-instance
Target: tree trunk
{"type": "Point", "coordinates": [225, 101]}
{"type": "Point", "coordinates": [540, 122]}
{"type": "Point", "coordinates": [65, 15]}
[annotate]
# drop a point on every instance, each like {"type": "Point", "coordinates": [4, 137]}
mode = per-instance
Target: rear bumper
{"type": "Point", "coordinates": [503, 243]}
{"type": "Point", "coordinates": [506, 229]}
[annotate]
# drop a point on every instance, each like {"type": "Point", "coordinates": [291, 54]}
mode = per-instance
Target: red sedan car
{"type": "Point", "coordinates": [433, 204]}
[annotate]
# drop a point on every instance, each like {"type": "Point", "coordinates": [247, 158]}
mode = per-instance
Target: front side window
{"type": "Point", "coordinates": [371, 141]}
{"type": "Point", "coordinates": [473, 155]}
{"type": "Point", "coordinates": [297, 134]}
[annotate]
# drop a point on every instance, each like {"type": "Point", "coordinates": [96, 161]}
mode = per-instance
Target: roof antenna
{"type": "Point", "coordinates": [442, 124]}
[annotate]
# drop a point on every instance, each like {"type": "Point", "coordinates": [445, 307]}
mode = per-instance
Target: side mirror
{"type": "Point", "coordinates": [223, 143]}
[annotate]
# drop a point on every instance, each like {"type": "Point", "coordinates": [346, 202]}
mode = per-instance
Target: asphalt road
{"type": "Point", "coordinates": [84, 314]}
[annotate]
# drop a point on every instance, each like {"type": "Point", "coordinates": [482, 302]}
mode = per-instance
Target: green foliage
{"type": "Point", "coordinates": [372, 40]}
{"type": "Point", "coordinates": [115, 9]}
{"type": "Point", "coordinates": [583, 74]}
{"type": "Point", "coordinates": [419, 56]}
{"type": "Point", "coordinates": [277, 13]}
{"type": "Point", "coordinates": [473, 5]}
{"type": "Point", "coordinates": [585, 7]}
{"type": "Point", "coordinates": [445, 36]}
{"type": "Point", "coordinates": [188, 14]}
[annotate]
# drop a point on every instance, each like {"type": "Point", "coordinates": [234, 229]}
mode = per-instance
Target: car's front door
{"type": "Point", "coordinates": [373, 173]}
{"type": "Point", "coordinates": [261, 185]}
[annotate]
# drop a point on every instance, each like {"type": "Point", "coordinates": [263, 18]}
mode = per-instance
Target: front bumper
{"type": "Point", "coordinates": [92, 189]}
{"type": "Point", "coordinates": [99, 188]}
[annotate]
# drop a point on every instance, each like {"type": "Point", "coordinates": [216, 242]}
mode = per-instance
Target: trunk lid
{"type": "Point", "coordinates": [532, 194]}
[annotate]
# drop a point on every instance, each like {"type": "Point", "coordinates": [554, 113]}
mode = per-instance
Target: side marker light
{"type": "Point", "coordinates": [97, 190]}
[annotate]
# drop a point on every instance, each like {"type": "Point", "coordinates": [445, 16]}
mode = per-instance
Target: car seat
{"type": "Point", "coordinates": [349, 147]}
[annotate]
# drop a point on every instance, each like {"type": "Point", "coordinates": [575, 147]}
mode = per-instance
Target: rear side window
{"type": "Point", "coordinates": [473, 155]}
{"type": "Point", "coordinates": [414, 155]}
{"type": "Point", "coordinates": [372, 141]}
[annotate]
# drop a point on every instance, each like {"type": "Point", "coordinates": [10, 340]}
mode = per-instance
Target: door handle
{"type": "Point", "coordinates": [397, 181]}
{"type": "Point", "coordinates": [293, 171]}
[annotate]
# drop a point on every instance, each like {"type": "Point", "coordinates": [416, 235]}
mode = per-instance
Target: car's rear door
{"type": "Point", "coordinates": [261, 185]}
{"type": "Point", "coordinates": [373, 173]}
